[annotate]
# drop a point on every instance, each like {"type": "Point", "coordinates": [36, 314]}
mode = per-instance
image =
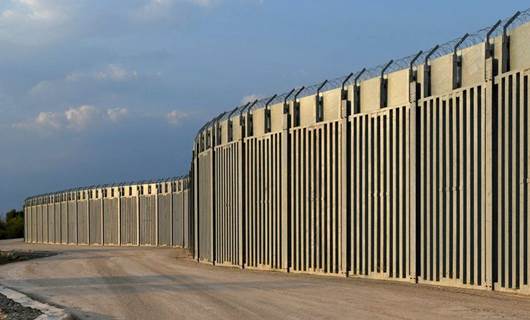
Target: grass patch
{"type": "Point", "coordinates": [16, 256]}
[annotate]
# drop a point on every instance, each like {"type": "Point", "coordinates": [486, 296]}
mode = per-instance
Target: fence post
{"type": "Point", "coordinates": [157, 216]}
{"type": "Point", "coordinates": [285, 186]}
{"type": "Point", "coordinates": [102, 200]}
{"type": "Point", "coordinates": [413, 160]}
{"type": "Point", "coordinates": [120, 193]}
{"type": "Point", "coordinates": [489, 137]}
{"type": "Point", "coordinates": [242, 192]}
{"type": "Point", "coordinates": [138, 215]}
{"type": "Point", "coordinates": [345, 177]}
{"type": "Point", "coordinates": [196, 203]}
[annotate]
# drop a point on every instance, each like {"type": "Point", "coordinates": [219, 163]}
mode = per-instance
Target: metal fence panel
{"type": "Point", "coordinates": [512, 245]}
{"type": "Point", "coordinates": [177, 215]}
{"type": "Point", "coordinates": [44, 223]}
{"type": "Point", "coordinates": [148, 220]}
{"type": "Point", "coordinates": [33, 224]}
{"type": "Point", "coordinates": [82, 222]}
{"type": "Point", "coordinates": [227, 213]}
{"type": "Point", "coordinates": [110, 221]}
{"type": "Point", "coordinates": [72, 222]}
{"type": "Point", "coordinates": [316, 198]}
{"type": "Point", "coordinates": [380, 189]}
{"type": "Point", "coordinates": [64, 222]}
{"type": "Point", "coordinates": [51, 222]}
{"type": "Point", "coordinates": [263, 211]}
{"type": "Point", "coordinates": [452, 211]}
{"type": "Point", "coordinates": [38, 231]}
{"type": "Point", "coordinates": [129, 221]}
{"type": "Point", "coordinates": [57, 224]}
{"type": "Point", "coordinates": [95, 222]}
{"type": "Point", "coordinates": [186, 220]}
{"type": "Point", "coordinates": [205, 218]}
{"type": "Point", "coordinates": [165, 224]}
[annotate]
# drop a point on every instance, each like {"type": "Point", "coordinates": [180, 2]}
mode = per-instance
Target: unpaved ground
{"type": "Point", "coordinates": [148, 283]}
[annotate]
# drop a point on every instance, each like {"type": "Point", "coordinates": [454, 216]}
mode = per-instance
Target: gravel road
{"type": "Point", "coordinates": [149, 283]}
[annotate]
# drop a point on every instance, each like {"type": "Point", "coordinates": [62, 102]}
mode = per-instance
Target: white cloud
{"type": "Point", "coordinates": [117, 114]}
{"type": "Point", "coordinates": [74, 118]}
{"type": "Point", "coordinates": [44, 120]}
{"type": "Point", "coordinates": [111, 72]}
{"type": "Point", "coordinates": [34, 22]}
{"type": "Point", "coordinates": [175, 117]}
{"type": "Point", "coordinates": [48, 119]}
{"type": "Point", "coordinates": [250, 98]}
{"type": "Point", "coordinates": [116, 73]}
{"type": "Point", "coordinates": [79, 118]}
{"type": "Point", "coordinates": [34, 10]}
{"type": "Point", "coordinates": [157, 10]}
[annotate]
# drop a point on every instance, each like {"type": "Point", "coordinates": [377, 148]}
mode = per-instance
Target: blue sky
{"type": "Point", "coordinates": [99, 91]}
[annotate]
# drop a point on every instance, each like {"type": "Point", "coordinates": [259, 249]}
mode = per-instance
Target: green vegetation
{"type": "Point", "coordinates": [12, 225]}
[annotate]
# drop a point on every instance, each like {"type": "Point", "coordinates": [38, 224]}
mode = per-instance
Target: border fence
{"type": "Point", "coordinates": [416, 170]}
{"type": "Point", "coordinates": [147, 213]}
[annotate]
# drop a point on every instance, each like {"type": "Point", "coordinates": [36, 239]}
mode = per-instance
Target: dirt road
{"type": "Point", "coordinates": [149, 283]}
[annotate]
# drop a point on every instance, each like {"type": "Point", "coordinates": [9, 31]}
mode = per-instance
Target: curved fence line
{"type": "Point", "coordinates": [419, 174]}
{"type": "Point", "coordinates": [146, 213]}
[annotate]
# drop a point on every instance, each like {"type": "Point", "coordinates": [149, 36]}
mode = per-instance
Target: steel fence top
{"type": "Point", "coordinates": [413, 60]}
{"type": "Point", "coordinates": [102, 186]}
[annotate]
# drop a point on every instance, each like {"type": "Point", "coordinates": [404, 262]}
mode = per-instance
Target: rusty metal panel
{"type": "Point", "coordinates": [110, 221]}
{"type": "Point", "coordinates": [82, 222]}
{"type": "Point", "coordinates": [72, 222]}
{"type": "Point", "coordinates": [164, 219]}
{"type": "Point", "coordinates": [512, 243]}
{"type": "Point", "coordinates": [227, 213]}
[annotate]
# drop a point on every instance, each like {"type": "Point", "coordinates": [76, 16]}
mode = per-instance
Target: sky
{"type": "Point", "coordinates": [102, 91]}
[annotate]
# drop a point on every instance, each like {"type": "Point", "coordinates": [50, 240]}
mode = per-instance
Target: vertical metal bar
{"type": "Point", "coordinates": [370, 192]}
{"type": "Point", "coordinates": [447, 145]}
{"type": "Point", "coordinates": [476, 191]}
{"type": "Point", "coordinates": [507, 185]}
{"type": "Point", "coordinates": [363, 192]}
{"type": "Point", "coordinates": [453, 141]}
{"type": "Point", "coordinates": [382, 192]}
{"type": "Point", "coordinates": [358, 191]}
{"type": "Point", "coordinates": [521, 182]}
{"type": "Point", "coordinates": [513, 180]}
{"type": "Point", "coordinates": [428, 188]}
{"type": "Point", "coordinates": [375, 197]}
{"type": "Point", "coordinates": [401, 192]}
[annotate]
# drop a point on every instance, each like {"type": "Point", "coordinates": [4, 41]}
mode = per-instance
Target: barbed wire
{"type": "Point", "coordinates": [110, 185]}
{"type": "Point", "coordinates": [438, 51]}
